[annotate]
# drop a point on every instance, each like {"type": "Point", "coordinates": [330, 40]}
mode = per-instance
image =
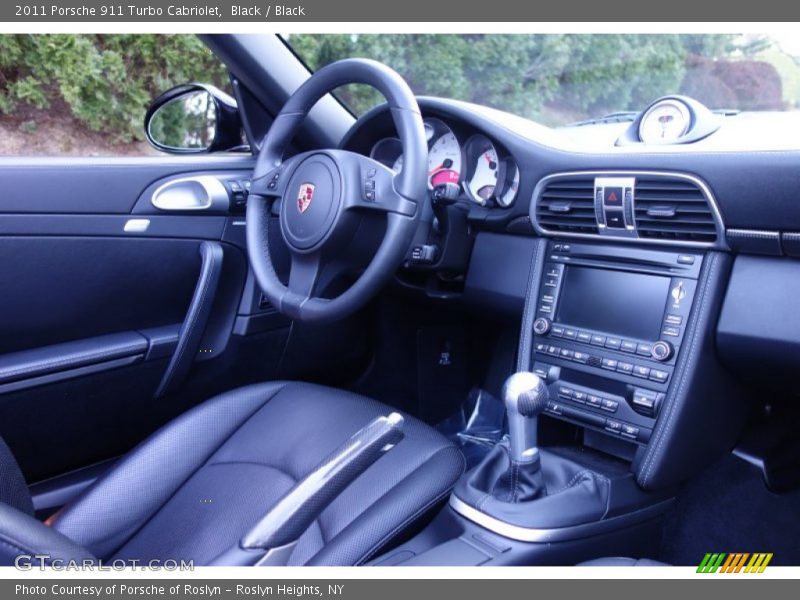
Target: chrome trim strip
{"type": "Point", "coordinates": [770, 234]}
{"type": "Point", "coordinates": [709, 196]}
{"type": "Point", "coordinates": [561, 534]}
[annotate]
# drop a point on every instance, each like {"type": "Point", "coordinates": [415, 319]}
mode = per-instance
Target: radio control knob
{"type": "Point", "coordinates": [541, 326]}
{"type": "Point", "coordinates": [662, 351]}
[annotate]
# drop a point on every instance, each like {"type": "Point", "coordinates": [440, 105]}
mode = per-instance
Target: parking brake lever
{"type": "Point", "coordinates": [272, 539]}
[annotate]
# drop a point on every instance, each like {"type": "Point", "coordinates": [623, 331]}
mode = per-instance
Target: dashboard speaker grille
{"type": "Point", "coordinates": [566, 204]}
{"type": "Point", "coordinates": [671, 208]}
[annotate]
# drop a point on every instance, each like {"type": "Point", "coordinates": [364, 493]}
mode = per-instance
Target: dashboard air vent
{"type": "Point", "coordinates": [670, 208]}
{"type": "Point", "coordinates": [566, 204]}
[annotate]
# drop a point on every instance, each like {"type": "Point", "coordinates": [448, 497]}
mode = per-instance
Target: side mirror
{"type": "Point", "coordinates": [194, 118]}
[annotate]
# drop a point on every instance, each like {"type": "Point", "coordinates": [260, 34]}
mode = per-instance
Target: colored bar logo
{"type": "Point", "coordinates": [736, 562]}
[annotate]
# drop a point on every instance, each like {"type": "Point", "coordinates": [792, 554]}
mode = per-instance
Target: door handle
{"type": "Point", "coordinates": [201, 192]}
{"type": "Point", "coordinates": [194, 325]}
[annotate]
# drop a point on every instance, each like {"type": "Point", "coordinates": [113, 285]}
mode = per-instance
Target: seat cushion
{"type": "Point", "coordinates": [196, 486]}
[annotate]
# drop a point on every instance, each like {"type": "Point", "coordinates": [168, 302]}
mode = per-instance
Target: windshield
{"type": "Point", "coordinates": [562, 79]}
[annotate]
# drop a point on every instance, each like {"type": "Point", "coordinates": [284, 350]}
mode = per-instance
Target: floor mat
{"type": "Point", "coordinates": [728, 509]}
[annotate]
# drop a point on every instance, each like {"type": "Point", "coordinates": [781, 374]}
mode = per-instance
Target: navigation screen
{"type": "Point", "coordinates": [625, 304]}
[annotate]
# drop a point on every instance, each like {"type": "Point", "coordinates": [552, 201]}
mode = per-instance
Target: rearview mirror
{"type": "Point", "coordinates": [194, 118]}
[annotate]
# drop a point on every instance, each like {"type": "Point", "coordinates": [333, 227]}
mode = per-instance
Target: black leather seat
{"type": "Point", "coordinates": [195, 487]}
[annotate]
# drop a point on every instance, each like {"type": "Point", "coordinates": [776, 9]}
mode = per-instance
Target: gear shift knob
{"type": "Point", "coordinates": [525, 396]}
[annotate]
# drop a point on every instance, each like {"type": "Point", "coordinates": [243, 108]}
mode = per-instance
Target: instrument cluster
{"type": "Point", "coordinates": [484, 172]}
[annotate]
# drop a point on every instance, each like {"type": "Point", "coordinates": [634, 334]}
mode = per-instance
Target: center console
{"type": "Point", "coordinates": [609, 326]}
{"type": "Point", "coordinates": [617, 373]}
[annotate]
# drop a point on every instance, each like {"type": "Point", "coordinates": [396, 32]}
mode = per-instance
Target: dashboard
{"type": "Point", "coordinates": [649, 260]}
{"type": "Point", "coordinates": [747, 162]}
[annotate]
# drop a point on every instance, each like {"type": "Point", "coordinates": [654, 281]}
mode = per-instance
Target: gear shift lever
{"type": "Point", "coordinates": [525, 396]}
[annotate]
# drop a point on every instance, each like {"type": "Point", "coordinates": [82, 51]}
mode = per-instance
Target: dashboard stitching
{"type": "Point", "coordinates": [651, 457]}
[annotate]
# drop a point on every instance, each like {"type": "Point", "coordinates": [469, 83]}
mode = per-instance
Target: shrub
{"type": "Point", "coordinates": [106, 81]}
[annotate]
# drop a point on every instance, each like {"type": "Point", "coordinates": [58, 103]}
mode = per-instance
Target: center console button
{"type": "Point", "coordinates": [553, 350]}
{"type": "Point", "coordinates": [565, 392]}
{"type": "Point", "coordinates": [541, 326]}
{"type": "Point", "coordinates": [613, 426]}
{"type": "Point", "coordinates": [570, 334]}
{"type": "Point", "coordinates": [674, 320]}
{"type": "Point", "coordinates": [613, 343]}
{"type": "Point", "coordinates": [557, 331]}
{"type": "Point", "coordinates": [625, 367]}
{"type": "Point", "coordinates": [609, 405]}
{"type": "Point", "coordinates": [662, 350]}
{"type": "Point", "coordinates": [551, 282]}
{"type": "Point", "coordinates": [554, 407]}
{"type": "Point", "coordinates": [659, 375]}
{"type": "Point", "coordinates": [609, 363]}
{"type": "Point", "coordinates": [584, 337]}
{"type": "Point", "coordinates": [579, 396]}
{"type": "Point", "coordinates": [644, 349]}
{"type": "Point", "coordinates": [645, 399]}
{"type": "Point", "coordinates": [566, 353]}
{"type": "Point", "coordinates": [581, 357]}
{"type": "Point", "coordinates": [542, 372]}
{"type": "Point", "coordinates": [641, 371]}
{"type": "Point", "coordinates": [541, 347]}
{"type": "Point", "coordinates": [598, 340]}
{"type": "Point", "coordinates": [593, 400]}
{"type": "Point", "coordinates": [672, 331]}
{"type": "Point", "coordinates": [614, 219]}
{"type": "Point", "coordinates": [628, 346]}
{"type": "Point", "coordinates": [630, 431]}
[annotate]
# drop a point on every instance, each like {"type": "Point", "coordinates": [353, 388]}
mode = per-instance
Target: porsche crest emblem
{"type": "Point", "coordinates": [304, 196]}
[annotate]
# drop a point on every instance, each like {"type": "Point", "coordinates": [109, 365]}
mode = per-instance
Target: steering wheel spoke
{"type": "Point", "coordinates": [304, 274]}
{"type": "Point", "coordinates": [374, 185]}
{"type": "Point", "coordinates": [272, 184]}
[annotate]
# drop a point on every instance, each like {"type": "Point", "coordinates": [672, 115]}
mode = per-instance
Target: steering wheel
{"type": "Point", "coordinates": [322, 192]}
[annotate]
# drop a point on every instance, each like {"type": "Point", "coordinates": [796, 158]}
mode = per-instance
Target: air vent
{"type": "Point", "coordinates": [670, 208]}
{"type": "Point", "coordinates": [566, 204]}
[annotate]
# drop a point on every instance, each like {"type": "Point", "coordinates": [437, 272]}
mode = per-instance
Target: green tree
{"type": "Point", "coordinates": [105, 81]}
{"type": "Point", "coordinates": [532, 75]}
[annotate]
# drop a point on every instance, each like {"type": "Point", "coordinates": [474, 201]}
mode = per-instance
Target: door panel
{"type": "Point", "coordinates": [91, 310]}
{"type": "Point", "coordinates": [95, 185]}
